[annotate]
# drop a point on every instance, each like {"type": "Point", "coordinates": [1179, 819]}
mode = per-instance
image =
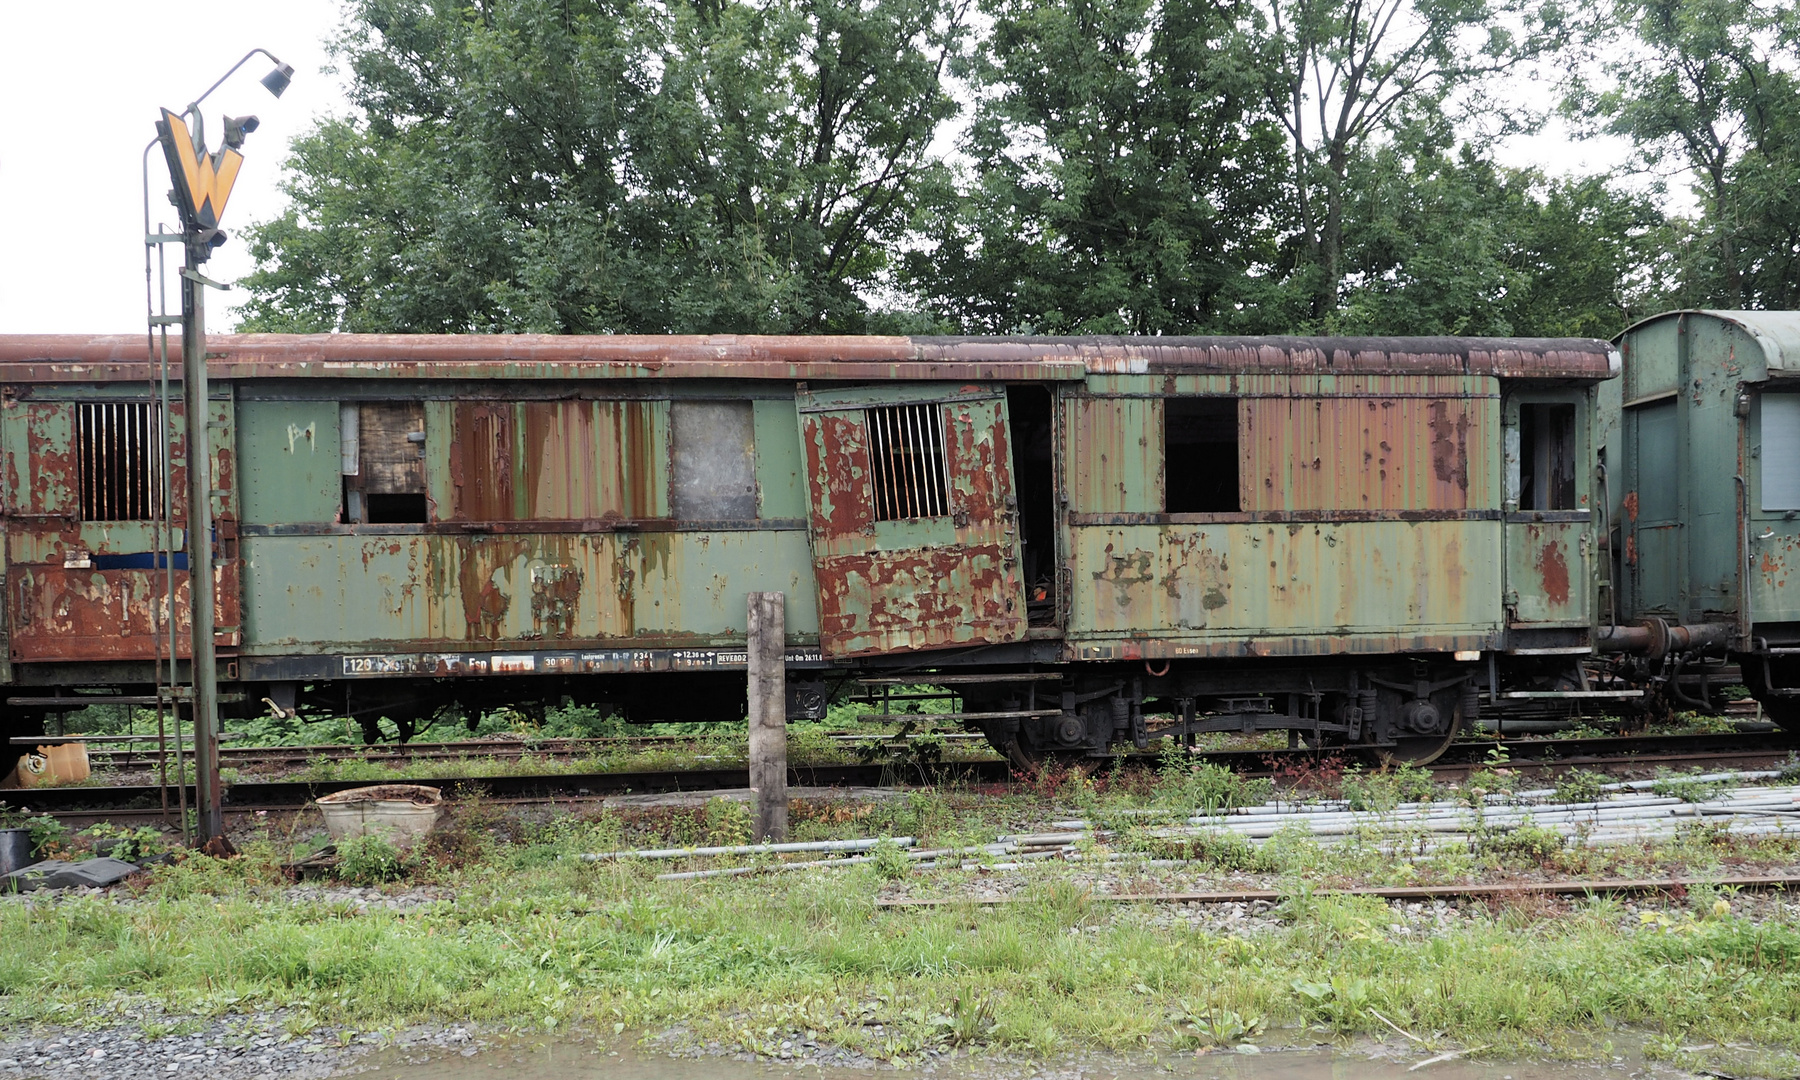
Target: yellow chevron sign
{"type": "Point", "coordinates": [202, 181]}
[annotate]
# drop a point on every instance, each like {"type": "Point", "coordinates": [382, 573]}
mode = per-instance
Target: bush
{"type": "Point", "coordinates": [1187, 786]}
{"type": "Point", "coordinates": [1579, 786]}
{"type": "Point", "coordinates": [369, 859]}
{"type": "Point", "coordinates": [1387, 788]}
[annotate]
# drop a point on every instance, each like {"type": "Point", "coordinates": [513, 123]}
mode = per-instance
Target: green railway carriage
{"type": "Point", "coordinates": [1704, 432]}
{"type": "Point", "coordinates": [1360, 540]}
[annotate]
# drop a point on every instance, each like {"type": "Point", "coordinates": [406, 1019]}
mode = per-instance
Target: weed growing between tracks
{"type": "Point", "coordinates": [494, 923]}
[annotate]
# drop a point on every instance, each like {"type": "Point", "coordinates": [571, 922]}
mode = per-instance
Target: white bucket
{"type": "Point", "coordinates": [403, 812]}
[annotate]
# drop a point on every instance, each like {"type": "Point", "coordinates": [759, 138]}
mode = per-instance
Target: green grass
{"type": "Point", "coordinates": [549, 944]}
{"type": "Point", "coordinates": [542, 941]}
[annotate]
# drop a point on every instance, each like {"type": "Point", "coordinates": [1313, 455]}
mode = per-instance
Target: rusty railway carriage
{"type": "Point", "coordinates": [1363, 541]}
{"type": "Point", "coordinates": [1704, 431]}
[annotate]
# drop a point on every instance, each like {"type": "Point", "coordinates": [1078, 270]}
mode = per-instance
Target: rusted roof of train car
{"type": "Point", "coordinates": [79, 358]}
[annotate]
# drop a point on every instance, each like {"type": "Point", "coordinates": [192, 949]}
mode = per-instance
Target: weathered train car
{"type": "Point", "coordinates": [1706, 422]}
{"type": "Point", "coordinates": [1358, 539]}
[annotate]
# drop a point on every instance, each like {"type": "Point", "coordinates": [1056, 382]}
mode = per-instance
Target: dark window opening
{"type": "Point", "coordinates": [906, 462]}
{"type": "Point", "coordinates": [1030, 414]}
{"type": "Point", "coordinates": [119, 458]}
{"type": "Point", "coordinates": [1547, 457]}
{"type": "Point", "coordinates": [393, 508]}
{"type": "Point", "coordinates": [384, 462]}
{"type": "Point", "coordinates": [1200, 455]}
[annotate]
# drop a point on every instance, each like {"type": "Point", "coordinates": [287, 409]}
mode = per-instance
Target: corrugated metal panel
{"type": "Point", "coordinates": [1368, 453]}
{"type": "Point", "coordinates": [559, 460]}
{"type": "Point", "coordinates": [1116, 455]}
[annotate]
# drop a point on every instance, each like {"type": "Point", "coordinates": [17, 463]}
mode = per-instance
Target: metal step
{"type": "Point", "coordinates": [1010, 715]}
{"type": "Point", "coordinates": [927, 679]}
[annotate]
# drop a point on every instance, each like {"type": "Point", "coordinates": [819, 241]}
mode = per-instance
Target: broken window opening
{"type": "Point", "coordinates": [1200, 456]}
{"type": "Point", "coordinates": [906, 462]}
{"type": "Point", "coordinates": [384, 462]}
{"type": "Point", "coordinates": [1547, 457]}
{"type": "Point", "coordinates": [1031, 417]}
{"type": "Point", "coordinates": [119, 447]}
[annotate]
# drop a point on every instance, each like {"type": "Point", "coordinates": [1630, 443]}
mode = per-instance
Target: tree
{"type": "Point", "coordinates": [1441, 241]}
{"type": "Point", "coordinates": [1353, 74]}
{"type": "Point", "coordinates": [611, 165]}
{"type": "Point", "coordinates": [1707, 88]}
{"type": "Point", "coordinates": [1121, 179]}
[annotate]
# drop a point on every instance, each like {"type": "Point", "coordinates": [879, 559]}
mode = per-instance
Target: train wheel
{"type": "Point", "coordinates": [1423, 750]}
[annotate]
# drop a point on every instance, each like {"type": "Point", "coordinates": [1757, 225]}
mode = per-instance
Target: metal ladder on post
{"type": "Point", "coordinates": [170, 690]}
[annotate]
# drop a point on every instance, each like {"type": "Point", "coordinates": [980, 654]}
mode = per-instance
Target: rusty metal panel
{"type": "Point", "coordinates": [919, 583]}
{"type": "Point", "coordinates": [1116, 455]}
{"type": "Point", "coordinates": [559, 460]}
{"type": "Point", "coordinates": [573, 590]}
{"type": "Point", "coordinates": [1369, 453]}
{"type": "Point", "coordinates": [1245, 583]}
{"type": "Point", "coordinates": [93, 590]}
{"type": "Point", "coordinates": [1548, 573]}
{"type": "Point", "coordinates": [42, 473]}
{"type": "Point", "coordinates": [61, 613]}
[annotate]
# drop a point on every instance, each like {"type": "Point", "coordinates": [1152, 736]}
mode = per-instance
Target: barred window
{"type": "Point", "coordinates": [906, 458]}
{"type": "Point", "coordinates": [119, 453]}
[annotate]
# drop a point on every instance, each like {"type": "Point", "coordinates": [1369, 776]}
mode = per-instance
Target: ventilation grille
{"type": "Point", "coordinates": [906, 454]}
{"type": "Point", "coordinates": [119, 449]}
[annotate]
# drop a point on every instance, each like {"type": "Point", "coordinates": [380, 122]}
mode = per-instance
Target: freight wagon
{"type": "Point", "coordinates": [1359, 541]}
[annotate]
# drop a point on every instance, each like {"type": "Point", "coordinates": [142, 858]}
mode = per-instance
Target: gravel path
{"type": "Point", "coordinates": [242, 1047]}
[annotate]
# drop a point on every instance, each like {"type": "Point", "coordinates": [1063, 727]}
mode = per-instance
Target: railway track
{"type": "Point", "coordinates": [1642, 753]}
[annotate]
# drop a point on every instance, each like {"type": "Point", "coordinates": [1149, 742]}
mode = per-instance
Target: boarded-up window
{"type": "Point", "coordinates": [560, 460]}
{"type": "Point", "coordinates": [118, 449]}
{"type": "Point", "coordinates": [906, 462]}
{"type": "Point", "coordinates": [1781, 451]}
{"type": "Point", "coordinates": [384, 461]}
{"type": "Point", "coordinates": [714, 467]}
{"type": "Point", "coordinates": [1200, 455]}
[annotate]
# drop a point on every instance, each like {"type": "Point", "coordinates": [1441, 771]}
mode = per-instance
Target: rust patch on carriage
{"type": "Point", "coordinates": [1450, 445]}
{"type": "Point", "coordinates": [61, 613]}
{"type": "Point", "coordinates": [837, 467]}
{"type": "Point", "coordinates": [1631, 506]}
{"type": "Point", "coordinates": [934, 597]}
{"type": "Point", "coordinates": [1553, 570]}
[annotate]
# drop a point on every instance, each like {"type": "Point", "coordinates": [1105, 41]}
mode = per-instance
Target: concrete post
{"type": "Point", "coordinates": [768, 713]}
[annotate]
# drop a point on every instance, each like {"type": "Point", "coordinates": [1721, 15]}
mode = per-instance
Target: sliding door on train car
{"type": "Point", "coordinates": [914, 518]}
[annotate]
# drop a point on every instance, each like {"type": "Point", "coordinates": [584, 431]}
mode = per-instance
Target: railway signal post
{"type": "Point", "coordinates": [202, 184]}
{"type": "Point", "coordinates": [767, 628]}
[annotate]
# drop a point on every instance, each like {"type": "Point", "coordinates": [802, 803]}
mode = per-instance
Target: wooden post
{"type": "Point", "coordinates": [768, 713]}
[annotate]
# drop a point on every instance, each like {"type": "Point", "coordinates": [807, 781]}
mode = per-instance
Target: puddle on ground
{"type": "Point", "coordinates": [589, 1061]}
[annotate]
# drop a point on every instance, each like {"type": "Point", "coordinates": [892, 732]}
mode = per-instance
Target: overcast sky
{"type": "Point", "coordinates": [86, 80]}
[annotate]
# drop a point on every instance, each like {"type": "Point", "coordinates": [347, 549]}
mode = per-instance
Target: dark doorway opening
{"type": "Point", "coordinates": [1032, 415]}
{"type": "Point", "coordinates": [1547, 457]}
{"type": "Point", "coordinates": [1200, 455]}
